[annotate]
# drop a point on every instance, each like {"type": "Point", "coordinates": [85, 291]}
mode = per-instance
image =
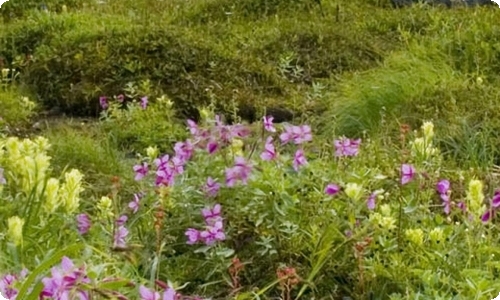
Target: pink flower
{"type": "Point", "coordinates": [213, 233]}
{"type": "Point", "coordinates": [211, 187]}
{"type": "Point", "coordinates": [212, 146]}
{"type": "Point", "coordinates": [119, 238]}
{"type": "Point", "coordinates": [332, 189]}
{"type": "Point", "coordinates": [103, 101]}
{"type": "Point", "coordinates": [407, 173]}
{"type": "Point", "coordinates": [184, 150]}
{"type": "Point", "coordinates": [193, 127]}
{"type": "Point", "coordinates": [269, 152]}
{"type": "Point", "coordinates": [144, 102]}
{"type": "Point", "coordinates": [297, 134]}
{"type": "Point", "coordinates": [193, 236]}
{"type": "Point", "coordinates": [147, 294]}
{"type": "Point", "coordinates": [120, 98]}
{"type": "Point", "coordinates": [346, 147]}
{"type": "Point", "coordinates": [299, 159]}
{"type": "Point", "coordinates": [212, 215]}
{"type": "Point", "coordinates": [83, 223]}
{"type": "Point", "coordinates": [443, 186]}
{"type": "Point", "coordinates": [371, 201]}
{"type": "Point", "coordinates": [241, 171]}
{"type": "Point", "coordinates": [268, 123]}
{"type": "Point", "coordinates": [64, 283]}
{"type": "Point", "coordinates": [134, 204]}
{"type": "Point", "coordinates": [141, 171]}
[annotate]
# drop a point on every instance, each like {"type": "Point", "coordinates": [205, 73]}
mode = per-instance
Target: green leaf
{"type": "Point", "coordinates": [114, 285]}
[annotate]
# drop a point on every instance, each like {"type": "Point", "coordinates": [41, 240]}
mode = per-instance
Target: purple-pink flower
{"type": "Point", "coordinates": [119, 238]}
{"type": "Point", "coordinates": [297, 134]}
{"type": "Point", "coordinates": [184, 150]}
{"type": "Point", "coordinates": [332, 189]}
{"type": "Point", "coordinates": [83, 223]}
{"type": "Point", "coordinates": [269, 152]}
{"type": "Point", "coordinates": [371, 201]}
{"type": "Point", "coordinates": [443, 188]}
{"type": "Point", "coordinates": [212, 146]}
{"type": "Point", "coordinates": [141, 171]}
{"type": "Point", "coordinates": [346, 147]}
{"type": "Point", "coordinates": [268, 123]}
{"type": "Point", "coordinates": [193, 236]}
{"type": "Point", "coordinates": [211, 187]}
{"type": "Point", "coordinates": [7, 282]}
{"type": "Point", "coordinates": [147, 294]}
{"type": "Point", "coordinates": [65, 282]}
{"type": "Point", "coordinates": [134, 204]}
{"type": "Point", "coordinates": [495, 205]}
{"type": "Point", "coordinates": [407, 173]}
{"type": "Point", "coordinates": [214, 228]}
{"type": "Point", "coordinates": [144, 102]}
{"type": "Point", "coordinates": [299, 159]}
{"type": "Point", "coordinates": [240, 171]}
{"type": "Point", "coordinates": [213, 233]}
{"type": "Point", "coordinates": [193, 127]}
{"type": "Point", "coordinates": [212, 215]}
{"type": "Point", "coordinates": [103, 101]}
{"type": "Point", "coordinates": [120, 98]}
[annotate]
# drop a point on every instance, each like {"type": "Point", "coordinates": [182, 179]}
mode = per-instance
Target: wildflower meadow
{"type": "Point", "coordinates": [216, 149]}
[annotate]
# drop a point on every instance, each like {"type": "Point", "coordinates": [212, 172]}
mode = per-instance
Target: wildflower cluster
{"type": "Point", "coordinates": [66, 282]}
{"type": "Point", "coordinates": [214, 228]}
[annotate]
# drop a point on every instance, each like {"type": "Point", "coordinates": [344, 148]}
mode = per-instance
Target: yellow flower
{"type": "Point", "coordinates": [436, 235]}
{"type": "Point", "coordinates": [354, 191]}
{"type": "Point", "coordinates": [52, 200]}
{"type": "Point", "coordinates": [428, 130]}
{"type": "Point", "coordinates": [237, 147]}
{"type": "Point", "coordinates": [15, 230]}
{"type": "Point", "coordinates": [416, 236]}
{"type": "Point", "coordinates": [152, 152]}
{"type": "Point", "coordinates": [71, 189]}
{"type": "Point", "coordinates": [475, 195]}
{"type": "Point", "coordinates": [105, 207]}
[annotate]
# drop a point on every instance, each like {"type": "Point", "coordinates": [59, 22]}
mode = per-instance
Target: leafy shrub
{"type": "Point", "coordinates": [72, 69]}
{"type": "Point", "coordinates": [135, 124]}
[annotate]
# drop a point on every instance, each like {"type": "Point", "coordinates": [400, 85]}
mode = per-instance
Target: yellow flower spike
{"type": "Point", "coordinates": [436, 235]}
{"type": "Point", "coordinates": [105, 206]}
{"type": "Point", "coordinates": [15, 230]}
{"type": "Point", "coordinates": [152, 152]}
{"type": "Point", "coordinates": [428, 130]}
{"type": "Point", "coordinates": [415, 236]}
{"type": "Point", "coordinates": [52, 200]}
{"type": "Point", "coordinates": [354, 191]}
{"type": "Point", "coordinates": [71, 190]}
{"type": "Point", "coordinates": [237, 147]}
{"type": "Point", "coordinates": [475, 196]}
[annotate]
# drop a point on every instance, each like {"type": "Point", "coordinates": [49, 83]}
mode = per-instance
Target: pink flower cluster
{"type": "Point", "coordinates": [346, 147]}
{"type": "Point", "coordinates": [217, 136]}
{"type": "Point", "coordinates": [65, 282]}
{"type": "Point", "coordinates": [214, 228]}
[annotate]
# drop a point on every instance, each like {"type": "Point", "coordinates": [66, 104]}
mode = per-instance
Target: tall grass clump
{"type": "Point", "coordinates": [404, 79]}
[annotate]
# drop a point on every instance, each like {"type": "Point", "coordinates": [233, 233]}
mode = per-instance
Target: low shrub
{"type": "Point", "coordinates": [71, 69]}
